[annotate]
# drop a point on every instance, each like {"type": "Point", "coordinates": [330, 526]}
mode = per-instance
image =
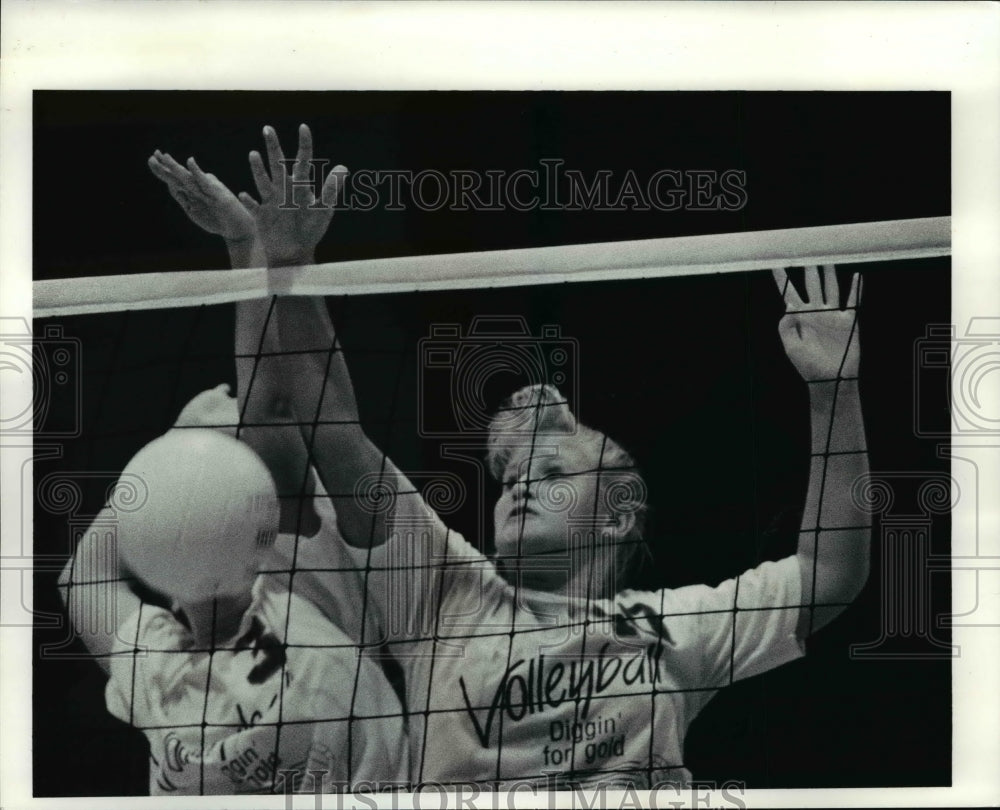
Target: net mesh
{"type": "Point", "coordinates": [497, 686]}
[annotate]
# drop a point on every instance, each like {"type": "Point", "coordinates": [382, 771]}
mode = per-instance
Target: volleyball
{"type": "Point", "coordinates": [205, 512]}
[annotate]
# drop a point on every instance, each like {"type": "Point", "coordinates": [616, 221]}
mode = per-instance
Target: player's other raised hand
{"type": "Point", "coordinates": [204, 198]}
{"type": "Point", "coordinates": [290, 218]}
{"type": "Point", "coordinates": [820, 338]}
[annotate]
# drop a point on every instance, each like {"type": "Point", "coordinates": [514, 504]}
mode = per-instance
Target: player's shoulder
{"type": "Point", "coordinates": [768, 580]}
{"type": "Point", "coordinates": [150, 623]}
{"type": "Point", "coordinates": [676, 606]}
{"type": "Point", "coordinates": [662, 600]}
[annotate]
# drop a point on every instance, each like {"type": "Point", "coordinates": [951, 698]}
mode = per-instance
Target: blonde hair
{"type": "Point", "coordinates": [542, 409]}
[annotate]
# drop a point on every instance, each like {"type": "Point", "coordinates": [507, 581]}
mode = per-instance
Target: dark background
{"type": "Point", "coordinates": [689, 373]}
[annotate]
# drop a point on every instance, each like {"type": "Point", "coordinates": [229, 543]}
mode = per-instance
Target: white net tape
{"type": "Point", "coordinates": [648, 258]}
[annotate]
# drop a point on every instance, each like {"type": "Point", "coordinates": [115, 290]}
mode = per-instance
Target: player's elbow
{"type": "Point", "coordinates": [839, 575]}
{"type": "Point", "coordinates": [848, 579]}
{"type": "Point", "coordinates": [851, 589]}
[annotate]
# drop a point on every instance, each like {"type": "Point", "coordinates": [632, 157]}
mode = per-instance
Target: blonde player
{"type": "Point", "coordinates": [251, 681]}
{"type": "Point", "coordinates": [537, 665]}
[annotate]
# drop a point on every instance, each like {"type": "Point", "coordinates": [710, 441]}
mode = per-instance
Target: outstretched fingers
{"type": "Point", "coordinates": [813, 289]}
{"type": "Point", "coordinates": [334, 185]}
{"type": "Point", "coordinates": [207, 183]}
{"type": "Point", "coordinates": [275, 157]}
{"type": "Point", "coordinates": [169, 165]}
{"type": "Point", "coordinates": [178, 180]}
{"type": "Point", "coordinates": [831, 290]}
{"type": "Point", "coordinates": [184, 183]}
{"type": "Point", "coordinates": [263, 183]}
{"type": "Point", "coordinates": [271, 181]}
{"type": "Point", "coordinates": [303, 160]}
{"type": "Point", "coordinates": [201, 179]}
{"type": "Point", "coordinates": [787, 289]}
{"type": "Point", "coordinates": [173, 166]}
{"type": "Point", "coordinates": [854, 296]}
{"type": "Point", "coordinates": [159, 172]}
{"type": "Point", "coordinates": [168, 170]}
{"type": "Point", "coordinates": [248, 202]}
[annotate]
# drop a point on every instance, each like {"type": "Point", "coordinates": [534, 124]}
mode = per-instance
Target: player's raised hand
{"type": "Point", "coordinates": [290, 218]}
{"type": "Point", "coordinates": [204, 198]}
{"type": "Point", "coordinates": [820, 338]}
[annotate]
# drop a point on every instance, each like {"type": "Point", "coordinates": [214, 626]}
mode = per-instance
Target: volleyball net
{"type": "Point", "coordinates": [667, 346]}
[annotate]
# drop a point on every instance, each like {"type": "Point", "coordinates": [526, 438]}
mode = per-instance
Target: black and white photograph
{"type": "Point", "coordinates": [570, 442]}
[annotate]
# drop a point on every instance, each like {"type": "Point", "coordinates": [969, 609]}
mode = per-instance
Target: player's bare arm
{"type": "Point", "coordinates": [313, 369]}
{"type": "Point", "coordinates": [822, 341]}
{"type": "Point", "coordinates": [262, 408]}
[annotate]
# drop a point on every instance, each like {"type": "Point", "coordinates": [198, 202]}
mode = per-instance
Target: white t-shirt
{"type": "Point", "coordinates": [506, 684]}
{"type": "Point", "coordinates": [314, 704]}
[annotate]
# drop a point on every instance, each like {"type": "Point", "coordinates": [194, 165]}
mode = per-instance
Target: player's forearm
{"type": "Point", "coordinates": [315, 369]}
{"type": "Point", "coordinates": [838, 454]}
{"type": "Point", "coordinates": [256, 344]}
{"type": "Point", "coordinates": [248, 252]}
{"type": "Point", "coordinates": [834, 538]}
{"type": "Point", "coordinates": [266, 418]}
{"type": "Point", "coordinates": [353, 469]}
{"type": "Point", "coordinates": [256, 341]}
{"type": "Point", "coordinates": [321, 395]}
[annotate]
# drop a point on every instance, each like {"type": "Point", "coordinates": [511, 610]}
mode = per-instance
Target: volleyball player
{"type": "Point", "coordinates": [248, 677]}
{"type": "Point", "coordinates": [539, 664]}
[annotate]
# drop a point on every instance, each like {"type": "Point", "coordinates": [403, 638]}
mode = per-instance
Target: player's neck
{"type": "Point", "coordinates": [585, 583]}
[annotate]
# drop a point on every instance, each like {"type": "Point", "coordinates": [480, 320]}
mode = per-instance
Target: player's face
{"type": "Point", "coordinates": [545, 486]}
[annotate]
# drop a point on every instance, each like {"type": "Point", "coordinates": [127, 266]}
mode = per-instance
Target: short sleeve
{"type": "Point", "coordinates": [747, 625]}
{"type": "Point", "coordinates": [150, 643]}
{"type": "Point", "coordinates": [420, 595]}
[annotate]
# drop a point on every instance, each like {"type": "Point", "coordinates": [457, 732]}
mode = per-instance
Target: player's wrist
{"type": "Point", "coordinates": [245, 251]}
{"type": "Point", "coordinates": [239, 239]}
{"type": "Point", "coordinates": [292, 258]}
{"type": "Point", "coordinates": [825, 393]}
